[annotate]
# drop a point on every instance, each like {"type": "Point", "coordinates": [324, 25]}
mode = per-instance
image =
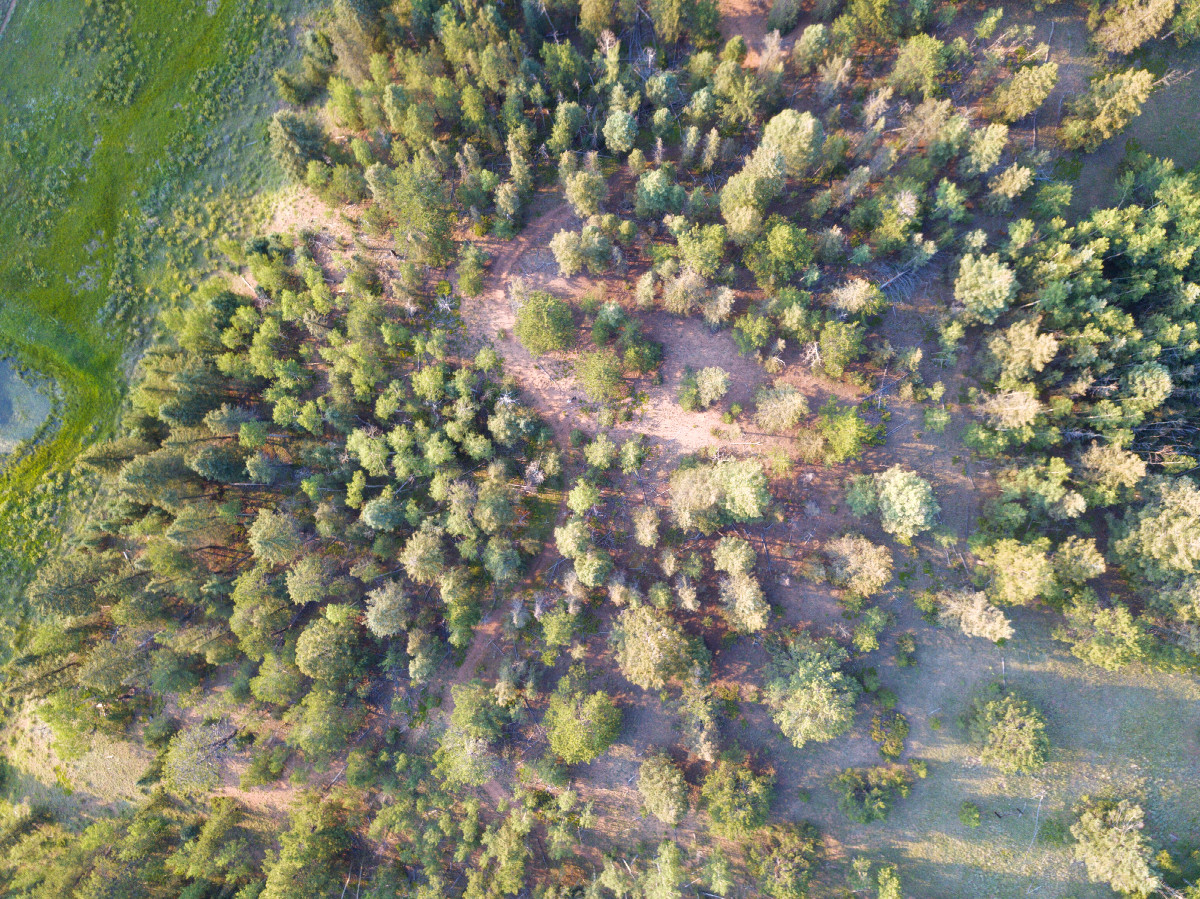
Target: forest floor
{"type": "Point", "coordinates": [1165, 128]}
{"type": "Point", "coordinates": [547, 382]}
{"type": "Point", "coordinates": [1133, 732]}
{"type": "Point", "coordinates": [747, 18]}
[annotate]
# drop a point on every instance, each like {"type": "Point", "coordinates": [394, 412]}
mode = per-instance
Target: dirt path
{"type": "Point", "coordinates": [12, 8]}
{"type": "Point", "coordinates": [487, 632]}
{"type": "Point", "coordinates": [489, 317]}
{"type": "Point", "coordinates": [1067, 38]}
{"type": "Point", "coordinates": [749, 19]}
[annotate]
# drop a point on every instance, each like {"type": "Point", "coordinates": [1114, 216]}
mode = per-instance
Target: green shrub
{"type": "Point", "coordinates": [688, 392]}
{"type": "Point", "coordinates": [868, 794]}
{"type": "Point", "coordinates": [601, 376]}
{"type": "Point", "coordinates": [936, 420]}
{"type": "Point", "coordinates": [784, 16]}
{"type": "Point", "coordinates": [846, 434]}
{"type": "Point", "coordinates": [810, 697]}
{"type": "Point", "coordinates": [906, 503]}
{"type": "Point", "coordinates": [471, 263]}
{"type": "Point", "coordinates": [663, 790]}
{"type": "Point", "coordinates": [581, 727]}
{"type": "Point", "coordinates": [779, 409]}
{"type": "Point", "coordinates": [1009, 732]}
{"type": "Point", "coordinates": [783, 859]}
{"type": "Point", "coordinates": [889, 729]}
{"type": "Point", "coordinates": [737, 799]}
{"type": "Point", "coordinates": [544, 324]}
{"type": "Point", "coordinates": [1109, 840]}
{"type": "Point", "coordinates": [601, 453]}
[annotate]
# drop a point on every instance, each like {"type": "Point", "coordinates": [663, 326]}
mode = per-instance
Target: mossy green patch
{"type": "Point", "coordinates": [129, 137]}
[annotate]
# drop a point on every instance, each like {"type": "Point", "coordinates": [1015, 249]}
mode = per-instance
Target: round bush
{"type": "Point", "coordinates": [544, 324]}
{"type": "Point", "coordinates": [581, 727]}
{"type": "Point", "coordinates": [1010, 732]}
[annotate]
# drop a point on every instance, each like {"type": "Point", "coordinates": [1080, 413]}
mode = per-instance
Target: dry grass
{"type": "Point", "coordinates": [104, 779]}
{"type": "Point", "coordinates": [1130, 733]}
{"type": "Point", "coordinates": [1133, 733]}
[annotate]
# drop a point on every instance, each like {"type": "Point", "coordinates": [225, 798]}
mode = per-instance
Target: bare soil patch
{"type": "Point", "coordinates": [749, 19]}
{"type": "Point", "coordinates": [489, 318]}
{"type": "Point", "coordinates": [547, 382]}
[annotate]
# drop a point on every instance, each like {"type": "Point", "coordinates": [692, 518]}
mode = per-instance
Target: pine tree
{"type": "Point", "coordinates": [984, 286]}
{"type": "Point", "coordinates": [1109, 840]}
{"type": "Point", "coordinates": [651, 650]}
{"type": "Point", "coordinates": [1024, 92]}
{"type": "Point", "coordinates": [810, 697]}
{"type": "Point", "coordinates": [976, 617]}
{"type": "Point", "coordinates": [1130, 23]}
{"type": "Point", "coordinates": [294, 143]}
{"type": "Point", "coordinates": [1110, 104]}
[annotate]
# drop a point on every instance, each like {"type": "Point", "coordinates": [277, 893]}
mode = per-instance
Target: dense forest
{"type": "Point", "coordinates": [382, 616]}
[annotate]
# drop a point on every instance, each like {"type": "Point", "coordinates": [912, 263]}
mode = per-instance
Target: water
{"type": "Point", "coordinates": [24, 405]}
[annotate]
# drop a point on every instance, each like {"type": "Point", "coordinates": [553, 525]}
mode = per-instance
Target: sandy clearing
{"type": "Point", "coordinates": [547, 381]}
{"type": "Point", "coordinates": [749, 19]}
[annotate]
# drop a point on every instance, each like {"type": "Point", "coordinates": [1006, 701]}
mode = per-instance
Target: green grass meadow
{"type": "Point", "coordinates": [130, 138]}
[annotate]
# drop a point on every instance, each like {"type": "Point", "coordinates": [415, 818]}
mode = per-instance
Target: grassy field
{"type": "Point", "coordinates": [1166, 128]}
{"type": "Point", "coordinates": [111, 203]}
{"type": "Point", "coordinates": [103, 779]}
{"type": "Point", "coordinates": [130, 134]}
{"type": "Point", "coordinates": [1131, 734]}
